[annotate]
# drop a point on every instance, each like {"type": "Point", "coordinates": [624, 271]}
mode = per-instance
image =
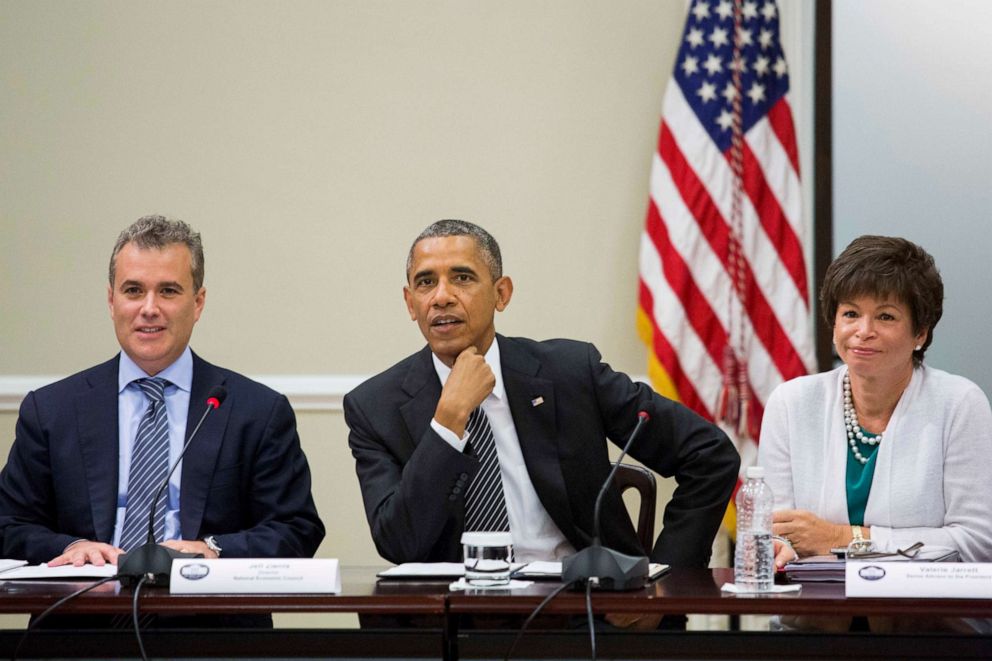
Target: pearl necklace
{"type": "Point", "coordinates": [854, 431]}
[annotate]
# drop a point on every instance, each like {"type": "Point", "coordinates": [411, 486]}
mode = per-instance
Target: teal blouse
{"type": "Point", "coordinates": [859, 477]}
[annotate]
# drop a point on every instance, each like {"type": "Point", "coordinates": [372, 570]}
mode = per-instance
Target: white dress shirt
{"type": "Point", "coordinates": [535, 535]}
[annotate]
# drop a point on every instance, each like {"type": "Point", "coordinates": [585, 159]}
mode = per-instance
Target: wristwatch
{"type": "Point", "coordinates": [212, 544]}
{"type": "Point", "coordinates": [858, 542]}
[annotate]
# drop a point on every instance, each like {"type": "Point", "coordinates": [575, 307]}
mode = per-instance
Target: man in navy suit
{"type": "Point", "coordinates": [550, 405]}
{"type": "Point", "coordinates": [243, 487]}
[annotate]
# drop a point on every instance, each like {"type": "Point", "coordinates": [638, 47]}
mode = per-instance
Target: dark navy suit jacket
{"type": "Point", "coordinates": [565, 403]}
{"type": "Point", "coordinates": [245, 478]}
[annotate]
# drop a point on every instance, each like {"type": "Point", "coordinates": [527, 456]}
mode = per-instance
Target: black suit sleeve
{"type": "Point", "coordinates": [675, 443]}
{"type": "Point", "coordinates": [414, 494]}
{"type": "Point", "coordinates": [29, 512]}
{"type": "Point", "coordinates": [280, 518]}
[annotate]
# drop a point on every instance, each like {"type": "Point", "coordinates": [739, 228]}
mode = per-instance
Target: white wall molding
{"type": "Point", "coordinates": [306, 392]}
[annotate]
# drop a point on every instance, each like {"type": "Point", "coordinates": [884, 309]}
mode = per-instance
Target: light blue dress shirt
{"type": "Point", "coordinates": [131, 406]}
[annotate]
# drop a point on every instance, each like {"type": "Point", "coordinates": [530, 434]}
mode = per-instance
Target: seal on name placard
{"type": "Point", "coordinates": [194, 572]}
{"type": "Point", "coordinates": [871, 573]}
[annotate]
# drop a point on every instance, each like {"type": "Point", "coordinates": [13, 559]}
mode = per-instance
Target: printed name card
{"type": "Point", "coordinates": [955, 580]}
{"type": "Point", "coordinates": [255, 576]}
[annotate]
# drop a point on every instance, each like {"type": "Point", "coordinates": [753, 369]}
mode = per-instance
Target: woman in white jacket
{"type": "Point", "coordinates": [884, 448]}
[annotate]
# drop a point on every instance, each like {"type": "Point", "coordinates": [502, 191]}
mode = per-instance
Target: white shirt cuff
{"type": "Point", "coordinates": [881, 539]}
{"type": "Point", "coordinates": [449, 437]}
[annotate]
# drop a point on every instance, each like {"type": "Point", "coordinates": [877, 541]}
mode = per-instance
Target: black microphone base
{"type": "Point", "coordinates": [151, 560]}
{"type": "Point", "coordinates": [611, 570]}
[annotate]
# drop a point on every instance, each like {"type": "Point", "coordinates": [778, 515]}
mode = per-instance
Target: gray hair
{"type": "Point", "coordinates": [483, 240]}
{"type": "Point", "coordinates": [160, 232]}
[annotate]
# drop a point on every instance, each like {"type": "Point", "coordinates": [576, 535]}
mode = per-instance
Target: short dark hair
{"type": "Point", "coordinates": [159, 232]}
{"type": "Point", "coordinates": [886, 267]}
{"type": "Point", "coordinates": [484, 240]}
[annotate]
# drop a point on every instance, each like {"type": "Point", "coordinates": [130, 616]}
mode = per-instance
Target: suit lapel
{"type": "Point", "coordinates": [532, 405]}
{"type": "Point", "coordinates": [201, 458]}
{"type": "Point", "coordinates": [424, 388]}
{"type": "Point", "coordinates": [97, 420]}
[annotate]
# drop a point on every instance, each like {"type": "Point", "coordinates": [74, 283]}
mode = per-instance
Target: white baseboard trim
{"type": "Point", "coordinates": [306, 392]}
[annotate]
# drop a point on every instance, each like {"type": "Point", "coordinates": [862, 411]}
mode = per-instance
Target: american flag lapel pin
{"type": "Point", "coordinates": [537, 401]}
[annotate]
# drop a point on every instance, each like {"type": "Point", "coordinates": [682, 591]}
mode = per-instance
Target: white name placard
{"type": "Point", "coordinates": [960, 580]}
{"type": "Point", "coordinates": [255, 576]}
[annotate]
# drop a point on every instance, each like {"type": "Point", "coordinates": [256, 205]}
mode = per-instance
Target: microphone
{"type": "Point", "coordinates": [603, 567]}
{"type": "Point", "coordinates": [151, 560]}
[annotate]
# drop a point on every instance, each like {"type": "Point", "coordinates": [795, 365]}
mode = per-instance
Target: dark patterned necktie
{"type": "Point", "coordinates": [149, 466]}
{"type": "Point", "coordinates": [485, 505]}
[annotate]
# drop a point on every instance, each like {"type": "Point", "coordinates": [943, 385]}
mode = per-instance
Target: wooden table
{"type": "Point", "coordinates": [697, 591]}
{"type": "Point", "coordinates": [681, 591]}
{"type": "Point", "coordinates": [689, 591]}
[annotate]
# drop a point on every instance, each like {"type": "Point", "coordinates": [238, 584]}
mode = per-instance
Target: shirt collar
{"type": "Point", "coordinates": [492, 359]}
{"type": "Point", "coordinates": [179, 373]}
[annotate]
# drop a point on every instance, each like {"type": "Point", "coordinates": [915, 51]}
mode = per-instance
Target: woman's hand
{"type": "Point", "coordinates": [808, 533]}
{"type": "Point", "coordinates": [784, 553]}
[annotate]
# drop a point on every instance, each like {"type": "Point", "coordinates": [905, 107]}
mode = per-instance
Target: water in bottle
{"type": "Point", "coordinates": [754, 557]}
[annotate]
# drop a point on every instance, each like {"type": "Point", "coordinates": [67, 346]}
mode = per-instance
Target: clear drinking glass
{"type": "Point", "coordinates": [487, 558]}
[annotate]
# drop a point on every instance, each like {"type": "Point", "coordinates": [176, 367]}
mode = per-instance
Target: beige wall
{"type": "Point", "coordinates": [309, 142]}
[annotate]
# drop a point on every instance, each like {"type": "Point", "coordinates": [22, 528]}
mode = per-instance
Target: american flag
{"type": "Point", "coordinates": [722, 266]}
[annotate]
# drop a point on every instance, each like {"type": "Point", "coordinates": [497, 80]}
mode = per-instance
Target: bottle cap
{"type": "Point", "coordinates": [756, 472]}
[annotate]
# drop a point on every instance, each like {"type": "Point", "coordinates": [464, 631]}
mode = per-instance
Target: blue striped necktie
{"type": "Point", "coordinates": [149, 466]}
{"type": "Point", "coordinates": [485, 505]}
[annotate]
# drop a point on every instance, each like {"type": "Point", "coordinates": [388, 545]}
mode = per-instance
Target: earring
{"type": "Point", "coordinates": [918, 347]}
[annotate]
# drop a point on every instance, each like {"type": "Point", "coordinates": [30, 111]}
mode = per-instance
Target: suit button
{"type": "Point", "coordinates": [456, 490]}
{"type": "Point", "coordinates": [463, 477]}
{"type": "Point", "coordinates": [452, 497]}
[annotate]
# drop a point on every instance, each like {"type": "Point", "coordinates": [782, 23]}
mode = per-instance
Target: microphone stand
{"type": "Point", "coordinates": [603, 567]}
{"type": "Point", "coordinates": [151, 560]}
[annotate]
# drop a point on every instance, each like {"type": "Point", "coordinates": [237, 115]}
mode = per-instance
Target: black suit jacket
{"type": "Point", "coordinates": [407, 472]}
{"type": "Point", "coordinates": [245, 478]}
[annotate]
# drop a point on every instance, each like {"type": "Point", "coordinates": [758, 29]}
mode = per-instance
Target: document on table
{"type": "Point", "coordinates": [7, 565]}
{"type": "Point", "coordinates": [427, 570]}
{"type": "Point", "coordinates": [830, 568]}
{"type": "Point", "coordinates": [23, 572]}
{"type": "Point", "coordinates": [531, 570]}
{"type": "Point", "coordinates": [816, 569]}
{"type": "Point", "coordinates": [542, 569]}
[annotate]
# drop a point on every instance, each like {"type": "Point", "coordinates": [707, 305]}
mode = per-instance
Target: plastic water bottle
{"type": "Point", "coordinates": [754, 558]}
